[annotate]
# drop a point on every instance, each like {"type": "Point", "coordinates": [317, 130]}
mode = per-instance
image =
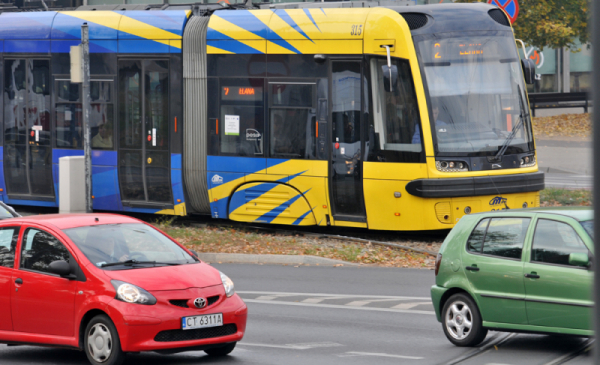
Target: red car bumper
{"type": "Point", "coordinates": [158, 327]}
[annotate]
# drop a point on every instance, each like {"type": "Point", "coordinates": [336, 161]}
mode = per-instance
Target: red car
{"type": "Point", "coordinates": [108, 285]}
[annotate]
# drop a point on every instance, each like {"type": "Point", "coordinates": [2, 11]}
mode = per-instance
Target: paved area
{"type": "Point", "coordinates": [339, 315]}
{"type": "Point", "coordinates": [565, 156]}
{"type": "Point", "coordinates": [567, 163]}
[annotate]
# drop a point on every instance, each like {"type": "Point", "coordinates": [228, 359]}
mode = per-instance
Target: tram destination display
{"type": "Point", "coordinates": [241, 93]}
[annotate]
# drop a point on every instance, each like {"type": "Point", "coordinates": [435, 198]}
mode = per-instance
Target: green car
{"type": "Point", "coordinates": [516, 270]}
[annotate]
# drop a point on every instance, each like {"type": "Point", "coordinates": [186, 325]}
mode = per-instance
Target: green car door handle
{"type": "Point", "coordinates": [472, 268]}
{"type": "Point", "coordinates": [532, 276]}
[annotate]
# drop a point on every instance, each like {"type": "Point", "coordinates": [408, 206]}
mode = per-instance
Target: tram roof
{"type": "Point", "coordinates": [110, 31]}
{"type": "Point", "coordinates": [454, 17]}
{"type": "Point", "coordinates": [161, 31]}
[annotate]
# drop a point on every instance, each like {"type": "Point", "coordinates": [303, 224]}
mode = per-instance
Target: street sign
{"type": "Point", "coordinates": [511, 7]}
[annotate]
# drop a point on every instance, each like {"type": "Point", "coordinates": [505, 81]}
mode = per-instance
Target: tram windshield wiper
{"type": "Point", "coordinates": [513, 133]}
{"type": "Point", "coordinates": [136, 262]}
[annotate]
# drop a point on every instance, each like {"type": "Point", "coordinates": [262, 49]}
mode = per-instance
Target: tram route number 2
{"type": "Point", "coordinates": [356, 29]}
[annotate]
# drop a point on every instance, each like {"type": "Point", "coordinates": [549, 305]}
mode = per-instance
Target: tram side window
{"type": "Point", "coordinates": [394, 131]}
{"type": "Point", "coordinates": [241, 121]}
{"type": "Point", "coordinates": [69, 114]}
{"type": "Point", "coordinates": [15, 92]}
{"type": "Point", "coordinates": [292, 121]}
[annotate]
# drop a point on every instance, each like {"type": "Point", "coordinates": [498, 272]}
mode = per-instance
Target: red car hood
{"type": "Point", "coordinates": [169, 277]}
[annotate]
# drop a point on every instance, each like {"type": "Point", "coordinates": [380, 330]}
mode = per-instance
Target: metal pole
{"type": "Point", "coordinates": [595, 21]}
{"type": "Point", "coordinates": [87, 148]}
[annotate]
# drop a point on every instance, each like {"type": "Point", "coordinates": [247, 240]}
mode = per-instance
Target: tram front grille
{"type": "Point", "coordinates": [415, 20]}
{"type": "Point", "coordinates": [499, 17]}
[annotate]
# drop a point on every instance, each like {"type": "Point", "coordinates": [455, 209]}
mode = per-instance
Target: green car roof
{"type": "Point", "coordinates": [578, 213]}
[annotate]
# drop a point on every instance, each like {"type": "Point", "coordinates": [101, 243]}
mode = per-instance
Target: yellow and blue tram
{"type": "Point", "coordinates": [393, 118]}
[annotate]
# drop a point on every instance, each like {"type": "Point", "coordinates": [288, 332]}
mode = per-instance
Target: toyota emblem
{"type": "Point", "coordinates": [200, 302]}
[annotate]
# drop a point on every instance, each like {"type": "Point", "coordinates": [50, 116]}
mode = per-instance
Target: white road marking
{"type": "Point", "coordinates": [360, 303]}
{"type": "Point", "coordinates": [341, 296]}
{"type": "Point", "coordinates": [273, 296]}
{"type": "Point", "coordinates": [294, 346]}
{"type": "Point", "coordinates": [340, 307]}
{"type": "Point", "coordinates": [409, 305]}
{"type": "Point", "coordinates": [353, 353]}
{"type": "Point", "coordinates": [319, 300]}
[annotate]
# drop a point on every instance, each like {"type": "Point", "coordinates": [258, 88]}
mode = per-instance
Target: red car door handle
{"type": "Point", "coordinates": [472, 268]}
{"type": "Point", "coordinates": [532, 276]}
{"type": "Point", "coordinates": [19, 281]}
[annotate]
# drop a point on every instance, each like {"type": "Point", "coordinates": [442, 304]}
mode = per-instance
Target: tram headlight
{"type": "Point", "coordinates": [528, 161]}
{"type": "Point", "coordinates": [451, 166]}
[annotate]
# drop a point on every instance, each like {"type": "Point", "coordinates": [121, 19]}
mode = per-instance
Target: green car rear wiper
{"type": "Point", "coordinates": [136, 262]}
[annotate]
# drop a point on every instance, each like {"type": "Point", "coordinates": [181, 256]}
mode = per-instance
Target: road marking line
{"type": "Point", "coordinates": [334, 306]}
{"type": "Point", "coordinates": [341, 296]}
{"type": "Point", "coordinates": [294, 346]}
{"type": "Point", "coordinates": [319, 300]}
{"type": "Point", "coordinates": [271, 346]}
{"type": "Point", "coordinates": [274, 296]}
{"type": "Point", "coordinates": [409, 305]}
{"type": "Point", "coordinates": [353, 353]}
{"type": "Point", "coordinates": [360, 303]}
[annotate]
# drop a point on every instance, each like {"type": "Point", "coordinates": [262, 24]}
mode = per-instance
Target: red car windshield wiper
{"type": "Point", "coordinates": [136, 262]}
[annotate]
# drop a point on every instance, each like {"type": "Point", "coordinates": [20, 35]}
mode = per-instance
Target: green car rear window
{"type": "Point", "coordinates": [503, 237]}
{"type": "Point", "coordinates": [475, 242]}
{"type": "Point", "coordinates": [589, 227]}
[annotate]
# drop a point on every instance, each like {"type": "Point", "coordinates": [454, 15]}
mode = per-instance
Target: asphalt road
{"type": "Point", "coordinates": [344, 315]}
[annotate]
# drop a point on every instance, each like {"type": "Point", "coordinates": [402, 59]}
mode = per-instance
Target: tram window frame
{"type": "Point", "coordinates": [231, 145]}
{"type": "Point", "coordinates": [406, 85]}
{"type": "Point", "coordinates": [291, 134]}
{"type": "Point", "coordinates": [109, 104]}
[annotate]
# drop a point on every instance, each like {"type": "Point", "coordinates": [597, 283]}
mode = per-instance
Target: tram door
{"type": "Point", "coordinates": [27, 137]}
{"type": "Point", "coordinates": [346, 187]}
{"type": "Point", "coordinates": [144, 163]}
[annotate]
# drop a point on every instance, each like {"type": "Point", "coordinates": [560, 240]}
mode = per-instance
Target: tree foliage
{"type": "Point", "coordinates": [551, 23]}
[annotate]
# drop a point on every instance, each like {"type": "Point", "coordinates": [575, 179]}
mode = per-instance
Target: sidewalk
{"type": "Point", "coordinates": [565, 155]}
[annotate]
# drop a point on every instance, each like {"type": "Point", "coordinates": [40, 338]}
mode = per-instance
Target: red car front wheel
{"type": "Point", "coordinates": [101, 342]}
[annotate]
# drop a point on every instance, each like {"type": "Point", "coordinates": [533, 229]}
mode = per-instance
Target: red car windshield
{"type": "Point", "coordinates": [137, 242]}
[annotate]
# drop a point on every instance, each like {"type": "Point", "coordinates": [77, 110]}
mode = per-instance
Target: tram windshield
{"type": "Point", "coordinates": [477, 94]}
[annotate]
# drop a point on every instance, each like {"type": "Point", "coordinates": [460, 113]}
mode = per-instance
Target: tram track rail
{"type": "Point", "coordinates": [499, 339]}
{"type": "Point", "coordinates": [314, 233]}
{"type": "Point", "coordinates": [333, 233]}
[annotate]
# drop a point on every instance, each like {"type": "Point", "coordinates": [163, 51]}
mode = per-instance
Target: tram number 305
{"type": "Point", "coordinates": [356, 29]}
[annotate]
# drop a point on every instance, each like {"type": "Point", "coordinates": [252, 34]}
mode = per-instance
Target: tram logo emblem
{"type": "Point", "coordinates": [216, 179]}
{"type": "Point", "coordinates": [253, 135]}
{"type": "Point", "coordinates": [498, 200]}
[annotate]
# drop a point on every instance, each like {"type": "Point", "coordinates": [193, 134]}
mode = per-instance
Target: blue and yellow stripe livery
{"type": "Point", "coordinates": [110, 31]}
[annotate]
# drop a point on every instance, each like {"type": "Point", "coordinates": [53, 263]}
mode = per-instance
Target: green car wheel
{"type": "Point", "coordinates": [462, 322]}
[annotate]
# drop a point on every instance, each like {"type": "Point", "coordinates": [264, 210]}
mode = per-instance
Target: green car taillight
{"type": "Point", "coordinates": [438, 261]}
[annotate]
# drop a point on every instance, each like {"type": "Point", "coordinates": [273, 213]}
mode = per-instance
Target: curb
{"type": "Point", "coordinates": [554, 170]}
{"type": "Point", "coordinates": [242, 258]}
